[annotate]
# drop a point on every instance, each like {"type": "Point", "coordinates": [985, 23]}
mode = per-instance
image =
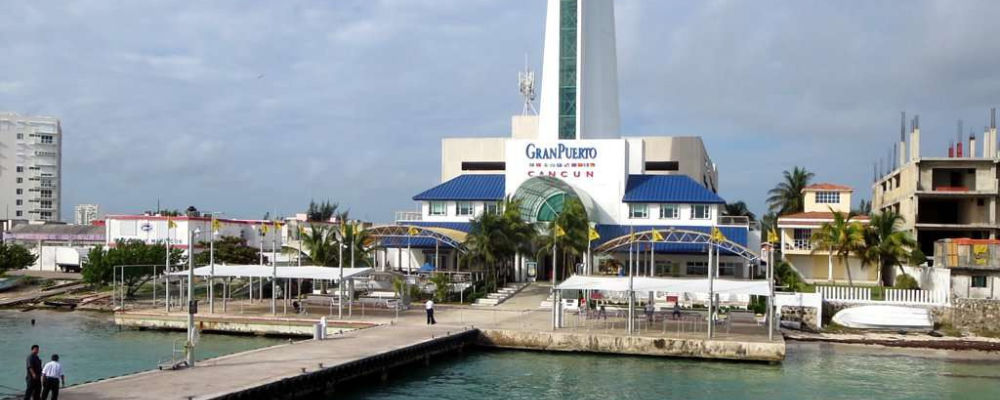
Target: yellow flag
{"type": "Point", "coordinates": [631, 235]}
{"type": "Point", "coordinates": [171, 224]}
{"type": "Point", "coordinates": [413, 231]}
{"type": "Point", "coordinates": [264, 228]}
{"type": "Point", "coordinates": [657, 237]}
{"type": "Point", "coordinates": [277, 225]}
{"type": "Point", "coordinates": [717, 235]}
{"type": "Point", "coordinates": [302, 230]}
{"type": "Point", "coordinates": [594, 235]}
{"type": "Point", "coordinates": [772, 236]}
{"type": "Point", "coordinates": [559, 231]}
{"type": "Point", "coordinates": [216, 225]}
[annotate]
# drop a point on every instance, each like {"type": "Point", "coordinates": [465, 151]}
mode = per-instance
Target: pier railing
{"type": "Point", "coordinates": [893, 296]}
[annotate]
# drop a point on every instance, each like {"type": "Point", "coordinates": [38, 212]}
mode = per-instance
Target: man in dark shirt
{"type": "Point", "coordinates": [34, 377]}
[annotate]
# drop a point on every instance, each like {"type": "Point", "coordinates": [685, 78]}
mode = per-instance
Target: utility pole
{"type": "Point", "coordinates": [340, 282]}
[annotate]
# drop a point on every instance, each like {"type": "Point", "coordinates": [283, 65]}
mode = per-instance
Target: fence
{"type": "Point", "coordinates": [916, 296]}
{"type": "Point", "coordinates": [840, 293]}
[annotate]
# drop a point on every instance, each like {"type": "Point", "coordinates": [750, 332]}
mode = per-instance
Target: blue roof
{"type": "Point", "coordinates": [733, 233]}
{"type": "Point", "coordinates": [466, 187]}
{"type": "Point", "coordinates": [667, 189]}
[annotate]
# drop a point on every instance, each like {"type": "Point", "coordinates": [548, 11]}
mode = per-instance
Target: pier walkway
{"type": "Point", "coordinates": [243, 372]}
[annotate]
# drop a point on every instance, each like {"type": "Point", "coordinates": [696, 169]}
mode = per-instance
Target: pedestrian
{"type": "Point", "coordinates": [429, 306]}
{"type": "Point", "coordinates": [33, 379]}
{"type": "Point", "coordinates": [52, 376]}
{"type": "Point", "coordinates": [677, 309]}
{"type": "Point", "coordinates": [650, 309]}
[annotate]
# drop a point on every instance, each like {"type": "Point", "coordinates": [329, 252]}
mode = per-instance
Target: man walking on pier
{"type": "Point", "coordinates": [34, 376]}
{"type": "Point", "coordinates": [429, 306]}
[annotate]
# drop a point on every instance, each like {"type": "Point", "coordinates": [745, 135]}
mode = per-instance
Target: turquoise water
{"type": "Point", "coordinates": [91, 347]}
{"type": "Point", "coordinates": [811, 371]}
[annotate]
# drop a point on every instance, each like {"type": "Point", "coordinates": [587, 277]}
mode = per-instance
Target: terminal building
{"type": "Point", "coordinates": [574, 147]}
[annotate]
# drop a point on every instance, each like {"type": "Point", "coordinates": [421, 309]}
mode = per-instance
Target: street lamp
{"type": "Point", "coordinates": [192, 303]}
{"type": "Point", "coordinates": [211, 261]}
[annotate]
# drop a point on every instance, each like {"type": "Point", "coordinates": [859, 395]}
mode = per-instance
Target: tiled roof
{"type": "Point", "coordinates": [827, 186]}
{"type": "Point", "coordinates": [667, 189]}
{"type": "Point", "coordinates": [466, 187]}
{"type": "Point", "coordinates": [815, 218]}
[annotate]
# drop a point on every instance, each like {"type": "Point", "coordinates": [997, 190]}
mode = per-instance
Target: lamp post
{"type": "Point", "coordinates": [211, 262]}
{"type": "Point", "coordinates": [192, 303]}
{"type": "Point", "coordinates": [340, 266]}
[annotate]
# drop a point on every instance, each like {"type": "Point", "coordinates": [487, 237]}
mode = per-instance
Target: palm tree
{"type": "Point", "coordinates": [571, 236]}
{"type": "Point", "coordinates": [355, 237]}
{"type": "Point", "coordinates": [786, 197]}
{"type": "Point", "coordinates": [487, 243]}
{"type": "Point", "coordinates": [841, 237]}
{"type": "Point", "coordinates": [739, 209]}
{"type": "Point", "coordinates": [321, 245]}
{"type": "Point", "coordinates": [885, 245]}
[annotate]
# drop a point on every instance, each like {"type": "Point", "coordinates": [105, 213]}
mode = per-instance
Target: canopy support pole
{"type": "Point", "coordinates": [711, 292]}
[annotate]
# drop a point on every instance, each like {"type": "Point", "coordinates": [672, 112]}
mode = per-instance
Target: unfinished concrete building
{"type": "Point", "coordinates": [943, 197]}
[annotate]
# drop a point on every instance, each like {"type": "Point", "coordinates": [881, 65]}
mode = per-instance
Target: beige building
{"type": "Point", "coordinates": [796, 230]}
{"type": "Point", "coordinates": [943, 197]}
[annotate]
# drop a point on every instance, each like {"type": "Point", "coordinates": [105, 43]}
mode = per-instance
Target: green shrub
{"type": "Point", "coordinates": [906, 282]}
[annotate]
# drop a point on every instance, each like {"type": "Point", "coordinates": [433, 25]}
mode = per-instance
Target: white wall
{"type": "Point", "coordinates": [653, 218]}
{"type": "Point", "coordinates": [154, 230]}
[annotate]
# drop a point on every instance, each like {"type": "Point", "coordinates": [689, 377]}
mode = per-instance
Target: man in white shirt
{"type": "Point", "coordinates": [429, 306]}
{"type": "Point", "coordinates": [52, 374]}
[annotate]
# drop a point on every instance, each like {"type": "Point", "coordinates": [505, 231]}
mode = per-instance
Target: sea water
{"type": "Point", "coordinates": [810, 371]}
{"type": "Point", "coordinates": [91, 347]}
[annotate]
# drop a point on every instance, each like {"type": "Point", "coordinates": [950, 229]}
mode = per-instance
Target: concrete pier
{"type": "Point", "coordinates": [306, 369]}
{"type": "Point", "coordinates": [734, 350]}
{"type": "Point", "coordinates": [240, 324]}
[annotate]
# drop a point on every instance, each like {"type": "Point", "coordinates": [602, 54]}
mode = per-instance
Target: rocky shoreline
{"type": "Point", "coordinates": [908, 340]}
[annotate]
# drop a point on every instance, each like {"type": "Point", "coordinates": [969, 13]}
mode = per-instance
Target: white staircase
{"type": "Point", "coordinates": [501, 295]}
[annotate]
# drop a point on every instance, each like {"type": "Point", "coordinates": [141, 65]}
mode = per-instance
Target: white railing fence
{"type": "Point", "coordinates": [845, 293]}
{"type": "Point", "coordinates": [916, 296]}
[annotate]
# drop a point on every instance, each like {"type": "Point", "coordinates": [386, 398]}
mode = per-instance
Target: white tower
{"type": "Point", "coordinates": [579, 72]}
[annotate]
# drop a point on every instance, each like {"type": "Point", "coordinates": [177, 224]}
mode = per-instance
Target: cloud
{"type": "Point", "coordinates": [259, 107]}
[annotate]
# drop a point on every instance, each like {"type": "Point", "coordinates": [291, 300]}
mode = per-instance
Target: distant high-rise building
{"type": "Point", "coordinates": [30, 167]}
{"type": "Point", "coordinates": [84, 214]}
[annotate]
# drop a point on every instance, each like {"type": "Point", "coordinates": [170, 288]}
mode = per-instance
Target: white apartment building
{"type": "Point", "coordinates": [85, 214]}
{"type": "Point", "coordinates": [30, 167]}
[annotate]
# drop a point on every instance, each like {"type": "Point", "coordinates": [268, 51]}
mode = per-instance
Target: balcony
{"type": "Point", "coordinates": [798, 246]}
{"type": "Point", "coordinates": [405, 216]}
{"type": "Point", "coordinates": [734, 221]}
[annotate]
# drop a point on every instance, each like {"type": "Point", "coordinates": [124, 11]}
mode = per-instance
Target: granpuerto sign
{"type": "Point", "coordinates": [559, 152]}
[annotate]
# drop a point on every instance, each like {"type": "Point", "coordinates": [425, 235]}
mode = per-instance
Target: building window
{"type": "Point", "coordinates": [18, 202]}
{"type": "Point", "coordinates": [638, 211]}
{"type": "Point", "coordinates": [979, 281]}
{"type": "Point", "coordinates": [46, 203]}
{"type": "Point", "coordinates": [19, 213]}
{"type": "Point", "coordinates": [492, 208]}
{"type": "Point", "coordinates": [20, 136]}
{"type": "Point", "coordinates": [46, 214]}
{"type": "Point", "coordinates": [20, 180]}
{"type": "Point", "coordinates": [700, 211]}
{"type": "Point", "coordinates": [729, 268]}
{"type": "Point", "coordinates": [46, 139]}
{"type": "Point", "coordinates": [827, 197]}
{"type": "Point", "coordinates": [19, 191]}
{"type": "Point", "coordinates": [45, 194]}
{"type": "Point", "coordinates": [20, 168]}
{"type": "Point", "coordinates": [464, 208]}
{"type": "Point", "coordinates": [669, 211]}
{"type": "Point", "coordinates": [696, 268]}
{"type": "Point", "coordinates": [47, 183]}
{"type": "Point", "coordinates": [438, 208]}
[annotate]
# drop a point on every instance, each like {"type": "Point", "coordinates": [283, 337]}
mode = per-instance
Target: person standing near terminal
{"type": "Point", "coordinates": [52, 377]}
{"type": "Point", "coordinates": [33, 379]}
{"type": "Point", "coordinates": [429, 306]}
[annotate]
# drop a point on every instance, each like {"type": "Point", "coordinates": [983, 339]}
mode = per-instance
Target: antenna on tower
{"type": "Point", "coordinates": [526, 84]}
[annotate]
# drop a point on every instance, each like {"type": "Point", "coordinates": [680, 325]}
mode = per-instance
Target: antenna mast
{"type": "Point", "coordinates": [526, 84]}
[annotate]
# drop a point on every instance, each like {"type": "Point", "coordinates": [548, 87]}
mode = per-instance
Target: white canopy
{"type": "Point", "coordinates": [676, 285]}
{"type": "Point", "coordinates": [257, 271]}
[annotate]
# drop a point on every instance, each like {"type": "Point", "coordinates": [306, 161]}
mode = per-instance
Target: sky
{"type": "Point", "coordinates": [247, 107]}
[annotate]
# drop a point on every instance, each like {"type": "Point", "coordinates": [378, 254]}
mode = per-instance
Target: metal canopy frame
{"type": "Point", "coordinates": [682, 236]}
{"type": "Point", "coordinates": [403, 232]}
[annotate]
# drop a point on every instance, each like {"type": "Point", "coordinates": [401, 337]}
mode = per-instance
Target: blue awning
{"type": "Point", "coordinates": [667, 189]}
{"type": "Point", "coordinates": [466, 187]}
